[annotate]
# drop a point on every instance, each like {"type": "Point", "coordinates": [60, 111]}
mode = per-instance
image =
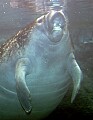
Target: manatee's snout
{"type": "Point", "coordinates": [56, 24]}
{"type": "Point", "coordinates": [57, 30]}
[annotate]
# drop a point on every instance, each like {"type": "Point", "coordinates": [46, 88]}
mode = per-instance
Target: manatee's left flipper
{"type": "Point", "coordinates": [22, 69]}
{"type": "Point", "coordinates": [75, 73]}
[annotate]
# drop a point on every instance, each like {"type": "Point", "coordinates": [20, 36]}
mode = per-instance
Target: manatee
{"type": "Point", "coordinates": [36, 68]}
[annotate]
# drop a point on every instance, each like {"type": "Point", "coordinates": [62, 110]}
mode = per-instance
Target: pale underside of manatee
{"type": "Point", "coordinates": [37, 64]}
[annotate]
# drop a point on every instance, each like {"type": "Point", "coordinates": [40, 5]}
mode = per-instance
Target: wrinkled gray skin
{"type": "Point", "coordinates": [35, 69]}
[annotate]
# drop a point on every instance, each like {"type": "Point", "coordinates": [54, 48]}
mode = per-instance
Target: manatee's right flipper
{"type": "Point", "coordinates": [22, 69]}
{"type": "Point", "coordinates": [76, 74]}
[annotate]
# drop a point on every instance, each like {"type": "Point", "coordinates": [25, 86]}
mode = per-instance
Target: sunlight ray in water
{"type": "Point", "coordinates": [41, 6]}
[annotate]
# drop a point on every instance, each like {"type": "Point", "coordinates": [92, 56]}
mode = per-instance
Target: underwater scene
{"type": "Point", "coordinates": [46, 59]}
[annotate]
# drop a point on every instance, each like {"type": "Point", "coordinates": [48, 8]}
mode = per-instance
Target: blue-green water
{"type": "Point", "coordinates": [14, 15]}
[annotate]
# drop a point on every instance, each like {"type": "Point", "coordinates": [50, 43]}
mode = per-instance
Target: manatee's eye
{"type": "Point", "coordinates": [40, 20]}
